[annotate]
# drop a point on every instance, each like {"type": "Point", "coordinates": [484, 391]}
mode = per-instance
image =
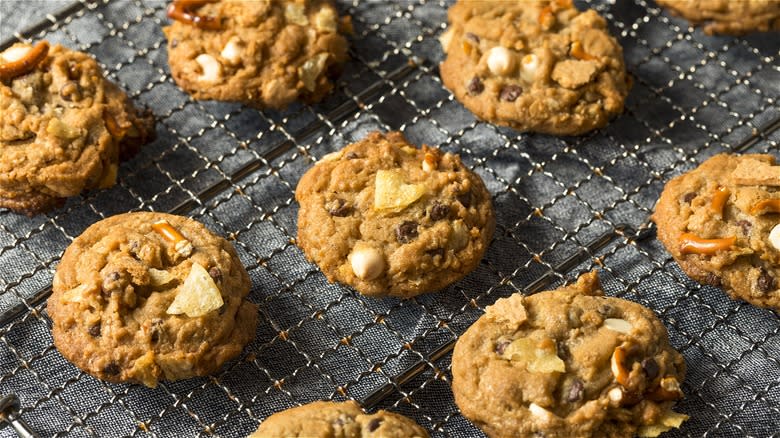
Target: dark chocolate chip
{"type": "Point", "coordinates": [174, 43]}
{"type": "Point", "coordinates": [374, 424]}
{"type": "Point", "coordinates": [501, 346]}
{"type": "Point", "coordinates": [605, 309]}
{"type": "Point", "coordinates": [351, 156]}
{"type": "Point", "coordinates": [510, 93]}
{"type": "Point", "coordinates": [215, 273]}
{"type": "Point", "coordinates": [111, 369]}
{"type": "Point", "coordinates": [465, 199]}
{"type": "Point", "coordinates": [475, 86]}
{"type": "Point", "coordinates": [94, 331]}
{"type": "Point", "coordinates": [155, 336]}
{"type": "Point", "coordinates": [70, 91]}
{"type": "Point", "coordinates": [338, 207]}
{"type": "Point", "coordinates": [650, 367]}
{"type": "Point", "coordinates": [575, 391]}
{"type": "Point", "coordinates": [712, 280]}
{"type": "Point", "coordinates": [746, 226]}
{"type": "Point", "coordinates": [471, 37]}
{"type": "Point", "coordinates": [435, 252]}
{"type": "Point", "coordinates": [406, 231]}
{"type": "Point", "coordinates": [689, 197]}
{"type": "Point", "coordinates": [439, 211]}
{"type": "Point", "coordinates": [766, 283]}
{"type": "Point", "coordinates": [111, 283]}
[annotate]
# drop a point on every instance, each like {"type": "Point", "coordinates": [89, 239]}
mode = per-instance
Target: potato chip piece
{"type": "Point", "coordinates": [77, 294]}
{"type": "Point", "coordinates": [537, 358]}
{"type": "Point", "coordinates": [311, 69]}
{"type": "Point", "coordinates": [391, 193]}
{"type": "Point", "coordinates": [670, 420]}
{"type": "Point", "coordinates": [160, 277]}
{"type": "Point", "coordinates": [197, 296]}
{"type": "Point", "coordinates": [296, 13]}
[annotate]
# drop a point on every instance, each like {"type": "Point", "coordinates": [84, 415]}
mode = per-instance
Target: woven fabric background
{"type": "Point", "coordinates": [564, 206]}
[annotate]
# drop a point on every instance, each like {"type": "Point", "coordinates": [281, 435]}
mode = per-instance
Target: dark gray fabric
{"type": "Point", "coordinates": [694, 96]}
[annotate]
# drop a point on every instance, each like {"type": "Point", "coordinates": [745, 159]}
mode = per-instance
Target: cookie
{"type": "Point", "coordinates": [388, 218]}
{"type": "Point", "coordinates": [721, 223]}
{"type": "Point", "coordinates": [568, 363]}
{"type": "Point", "coordinates": [144, 297]}
{"type": "Point", "coordinates": [266, 54]}
{"type": "Point", "coordinates": [64, 127]}
{"type": "Point", "coordinates": [539, 66]}
{"type": "Point", "coordinates": [331, 419]}
{"type": "Point", "coordinates": [733, 17]}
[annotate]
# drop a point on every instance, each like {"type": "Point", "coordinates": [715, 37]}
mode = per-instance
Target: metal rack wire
{"type": "Point", "coordinates": [564, 206]}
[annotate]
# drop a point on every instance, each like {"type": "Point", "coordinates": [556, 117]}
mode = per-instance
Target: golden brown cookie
{"type": "Point", "coordinates": [144, 297]}
{"type": "Point", "coordinates": [538, 66]}
{"type": "Point", "coordinates": [734, 17]}
{"type": "Point", "coordinates": [324, 419]}
{"type": "Point", "coordinates": [568, 363]}
{"type": "Point", "coordinates": [388, 218]}
{"type": "Point", "coordinates": [64, 127]}
{"type": "Point", "coordinates": [264, 53]}
{"type": "Point", "coordinates": [721, 223]}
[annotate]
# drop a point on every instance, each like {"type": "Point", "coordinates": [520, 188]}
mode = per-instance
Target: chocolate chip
{"type": "Point", "coordinates": [155, 336]}
{"type": "Point", "coordinates": [70, 91]}
{"type": "Point", "coordinates": [215, 273]}
{"type": "Point", "coordinates": [111, 283]}
{"type": "Point", "coordinates": [746, 226]}
{"type": "Point", "coordinates": [94, 331]}
{"type": "Point", "coordinates": [435, 252]}
{"type": "Point", "coordinates": [439, 211]}
{"type": "Point", "coordinates": [475, 86]}
{"type": "Point", "coordinates": [351, 156]}
{"type": "Point", "coordinates": [406, 231]}
{"type": "Point", "coordinates": [471, 37]}
{"type": "Point", "coordinates": [650, 367]}
{"type": "Point", "coordinates": [689, 197]}
{"type": "Point", "coordinates": [712, 280]}
{"type": "Point", "coordinates": [501, 346]}
{"type": "Point", "coordinates": [156, 329]}
{"type": "Point", "coordinates": [605, 309]}
{"type": "Point", "coordinates": [510, 93]}
{"type": "Point", "coordinates": [338, 207]}
{"type": "Point", "coordinates": [111, 369]}
{"type": "Point", "coordinates": [766, 282]}
{"type": "Point", "coordinates": [575, 391]}
{"type": "Point", "coordinates": [465, 199]}
{"type": "Point", "coordinates": [374, 424]}
{"type": "Point", "coordinates": [174, 43]}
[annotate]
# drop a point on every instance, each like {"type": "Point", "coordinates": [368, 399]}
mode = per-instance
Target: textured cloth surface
{"type": "Point", "coordinates": [235, 169]}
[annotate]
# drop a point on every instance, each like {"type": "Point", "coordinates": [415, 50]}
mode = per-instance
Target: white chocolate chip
{"type": "Point", "coordinates": [529, 66]}
{"type": "Point", "coordinates": [618, 325]}
{"type": "Point", "coordinates": [232, 51]}
{"type": "Point", "coordinates": [500, 60]}
{"type": "Point", "coordinates": [540, 412]}
{"type": "Point", "coordinates": [367, 263]}
{"type": "Point", "coordinates": [774, 237]}
{"type": "Point", "coordinates": [325, 20]}
{"type": "Point", "coordinates": [212, 69]}
{"type": "Point", "coordinates": [445, 39]}
{"type": "Point", "coordinates": [615, 394]}
{"type": "Point", "coordinates": [15, 53]}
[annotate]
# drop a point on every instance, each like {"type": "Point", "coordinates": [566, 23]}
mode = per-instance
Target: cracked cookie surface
{"type": "Point", "coordinates": [568, 363]}
{"type": "Point", "coordinates": [64, 127]}
{"type": "Point", "coordinates": [539, 66]}
{"type": "Point", "coordinates": [265, 54]}
{"type": "Point", "coordinates": [143, 297]}
{"type": "Point", "coordinates": [388, 218]}
{"type": "Point", "coordinates": [721, 223]}
{"type": "Point", "coordinates": [728, 16]}
{"type": "Point", "coordinates": [337, 419]}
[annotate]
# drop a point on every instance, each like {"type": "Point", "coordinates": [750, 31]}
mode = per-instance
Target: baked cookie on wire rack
{"type": "Point", "coordinates": [568, 363]}
{"type": "Point", "coordinates": [721, 223]}
{"type": "Point", "coordinates": [144, 297]}
{"type": "Point", "coordinates": [539, 66]}
{"type": "Point", "coordinates": [64, 127]}
{"type": "Point", "coordinates": [733, 17]}
{"type": "Point", "coordinates": [337, 419]}
{"type": "Point", "coordinates": [266, 54]}
{"type": "Point", "coordinates": [388, 218]}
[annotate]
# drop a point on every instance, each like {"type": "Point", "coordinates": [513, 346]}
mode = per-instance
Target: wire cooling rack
{"type": "Point", "coordinates": [564, 206]}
